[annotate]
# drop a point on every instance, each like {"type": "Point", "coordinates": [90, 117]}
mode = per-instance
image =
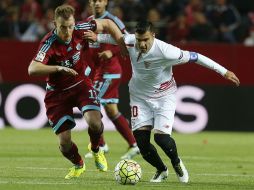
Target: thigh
{"type": "Point", "coordinates": [59, 112]}
{"type": "Point", "coordinates": [86, 98]}
{"type": "Point", "coordinates": [107, 87]}
{"type": "Point", "coordinates": [141, 114]}
{"type": "Point", "coordinates": [164, 116]}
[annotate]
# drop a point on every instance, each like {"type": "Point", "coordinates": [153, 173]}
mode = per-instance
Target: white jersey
{"type": "Point", "coordinates": [152, 75]}
{"type": "Point", "coordinates": [152, 71]}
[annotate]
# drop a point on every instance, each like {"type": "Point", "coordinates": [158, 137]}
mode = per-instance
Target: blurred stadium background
{"type": "Point", "coordinates": [222, 30]}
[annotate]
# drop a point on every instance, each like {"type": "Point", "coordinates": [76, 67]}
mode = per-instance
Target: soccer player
{"type": "Point", "coordinates": [152, 93]}
{"type": "Point", "coordinates": [107, 78]}
{"type": "Point", "coordinates": [59, 57]}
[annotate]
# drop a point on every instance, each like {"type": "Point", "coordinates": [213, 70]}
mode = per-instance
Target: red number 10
{"type": "Point", "coordinates": [134, 111]}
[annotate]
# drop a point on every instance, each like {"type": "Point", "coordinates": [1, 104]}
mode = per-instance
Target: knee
{"type": "Point", "coordinates": [95, 126]}
{"type": "Point", "coordinates": [111, 111]}
{"type": "Point", "coordinates": [164, 140]}
{"type": "Point", "coordinates": [93, 120]}
{"type": "Point", "coordinates": [64, 138]}
{"type": "Point", "coordinates": [65, 143]}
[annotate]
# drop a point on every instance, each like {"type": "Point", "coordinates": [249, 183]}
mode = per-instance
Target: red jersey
{"type": "Point", "coordinates": [112, 65]}
{"type": "Point", "coordinates": [53, 51]}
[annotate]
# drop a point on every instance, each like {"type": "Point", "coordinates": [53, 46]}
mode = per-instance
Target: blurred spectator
{"type": "Point", "coordinates": [201, 30]}
{"type": "Point", "coordinates": [154, 16]}
{"type": "Point", "coordinates": [176, 20]}
{"type": "Point", "coordinates": [77, 6]}
{"type": "Point", "coordinates": [133, 10]}
{"type": "Point", "coordinates": [178, 30]}
{"type": "Point", "coordinates": [86, 12]}
{"type": "Point", "coordinates": [169, 9]}
{"type": "Point", "coordinates": [191, 8]}
{"type": "Point", "coordinates": [249, 41]}
{"type": "Point", "coordinates": [117, 11]}
{"type": "Point", "coordinates": [225, 18]}
{"type": "Point", "coordinates": [31, 10]}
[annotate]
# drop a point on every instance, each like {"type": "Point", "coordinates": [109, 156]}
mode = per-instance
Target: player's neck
{"type": "Point", "coordinates": [99, 15]}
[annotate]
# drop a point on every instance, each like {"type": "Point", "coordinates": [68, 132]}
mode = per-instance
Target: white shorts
{"type": "Point", "coordinates": [158, 113]}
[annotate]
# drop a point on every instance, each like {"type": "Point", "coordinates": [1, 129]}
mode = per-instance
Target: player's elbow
{"type": "Point", "coordinates": [107, 24]}
{"type": "Point", "coordinates": [32, 70]}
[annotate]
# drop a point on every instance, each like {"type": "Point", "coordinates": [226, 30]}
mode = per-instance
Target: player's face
{"type": "Point", "coordinates": [98, 6]}
{"type": "Point", "coordinates": [65, 28]}
{"type": "Point", "coordinates": [144, 41]}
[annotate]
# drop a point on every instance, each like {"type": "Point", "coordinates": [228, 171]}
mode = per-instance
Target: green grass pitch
{"type": "Point", "coordinates": [215, 161]}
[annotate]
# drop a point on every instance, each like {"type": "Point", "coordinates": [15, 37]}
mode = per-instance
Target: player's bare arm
{"type": "Point", "coordinates": [110, 27]}
{"type": "Point", "coordinates": [38, 69]}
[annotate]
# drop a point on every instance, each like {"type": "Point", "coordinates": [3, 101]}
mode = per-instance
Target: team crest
{"type": "Point", "coordinates": [40, 56]}
{"type": "Point", "coordinates": [79, 46]}
{"type": "Point", "coordinates": [147, 64]}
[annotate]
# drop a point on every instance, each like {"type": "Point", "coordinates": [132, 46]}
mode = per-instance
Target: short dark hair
{"type": "Point", "coordinates": [64, 11]}
{"type": "Point", "coordinates": [144, 26]}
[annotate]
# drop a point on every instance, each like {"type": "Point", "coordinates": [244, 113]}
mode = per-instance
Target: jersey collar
{"type": "Point", "coordinates": [60, 40]}
{"type": "Point", "coordinates": [103, 15]}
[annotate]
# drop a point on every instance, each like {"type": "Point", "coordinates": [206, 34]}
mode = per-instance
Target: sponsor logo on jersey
{"type": "Point", "coordinates": [147, 64]}
{"type": "Point", "coordinates": [40, 56]}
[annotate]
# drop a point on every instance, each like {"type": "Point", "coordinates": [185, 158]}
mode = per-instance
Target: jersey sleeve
{"type": "Point", "coordinates": [178, 56]}
{"type": "Point", "coordinates": [129, 39]}
{"type": "Point", "coordinates": [174, 54]}
{"type": "Point", "coordinates": [43, 53]}
{"type": "Point", "coordinates": [84, 26]}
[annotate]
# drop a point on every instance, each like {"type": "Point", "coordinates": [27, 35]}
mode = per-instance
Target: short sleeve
{"type": "Point", "coordinates": [43, 54]}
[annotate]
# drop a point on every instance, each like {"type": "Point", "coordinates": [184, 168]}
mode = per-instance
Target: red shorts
{"type": "Point", "coordinates": [107, 88]}
{"type": "Point", "coordinates": [60, 104]}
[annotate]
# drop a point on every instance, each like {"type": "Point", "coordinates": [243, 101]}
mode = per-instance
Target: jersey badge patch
{"type": "Point", "coordinates": [40, 56]}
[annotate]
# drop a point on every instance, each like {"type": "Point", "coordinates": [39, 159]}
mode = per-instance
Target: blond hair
{"type": "Point", "coordinates": [64, 11]}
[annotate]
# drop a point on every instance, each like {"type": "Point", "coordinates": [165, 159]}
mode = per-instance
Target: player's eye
{"type": "Point", "coordinates": [71, 27]}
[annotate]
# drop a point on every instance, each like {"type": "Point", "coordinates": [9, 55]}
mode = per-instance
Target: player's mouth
{"type": "Point", "coordinates": [97, 8]}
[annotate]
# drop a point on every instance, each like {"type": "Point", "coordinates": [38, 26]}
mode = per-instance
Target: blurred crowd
{"type": "Point", "coordinates": [230, 21]}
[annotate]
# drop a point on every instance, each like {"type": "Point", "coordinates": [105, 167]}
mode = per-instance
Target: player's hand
{"type": "Point", "coordinates": [66, 71]}
{"type": "Point", "coordinates": [123, 48]}
{"type": "Point", "coordinates": [105, 55]}
{"type": "Point", "coordinates": [90, 36]}
{"type": "Point", "coordinates": [232, 77]}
